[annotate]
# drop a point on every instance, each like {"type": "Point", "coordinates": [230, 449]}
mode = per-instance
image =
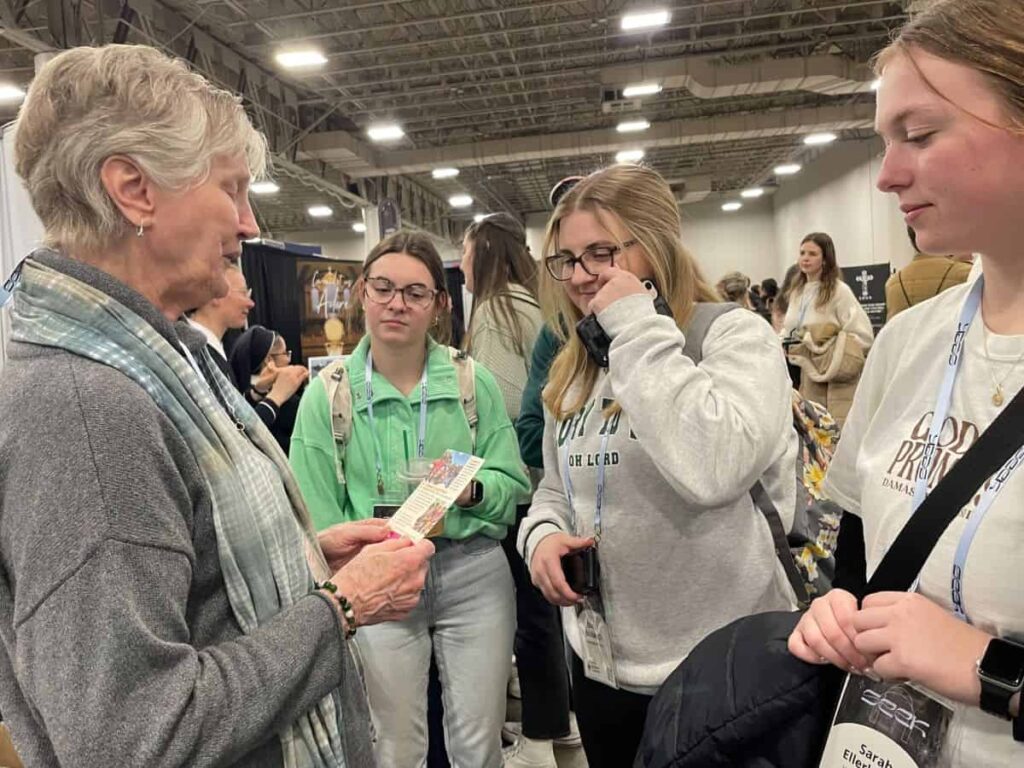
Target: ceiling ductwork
{"type": "Point", "coordinates": [335, 147]}
{"type": "Point", "coordinates": [708, 78]}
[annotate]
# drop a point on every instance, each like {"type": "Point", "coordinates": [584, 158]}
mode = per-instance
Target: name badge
{"type": "Point", "coordinates": [598, 664]}
{"type": "Point", "coordinates": [886, 725]}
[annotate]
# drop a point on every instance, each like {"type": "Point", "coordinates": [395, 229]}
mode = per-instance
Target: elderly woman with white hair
{"type": "Point", "coordinates": [163, 599]}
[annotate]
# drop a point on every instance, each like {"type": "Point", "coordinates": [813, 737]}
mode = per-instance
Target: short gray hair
{"type": "Point", "coordinates": [88, 104]}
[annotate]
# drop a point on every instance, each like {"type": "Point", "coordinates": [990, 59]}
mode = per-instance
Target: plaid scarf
{"type": "Point", "coordinates": [268, 551]}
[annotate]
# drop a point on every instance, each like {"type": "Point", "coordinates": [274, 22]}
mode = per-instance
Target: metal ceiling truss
{"type": "Point", "coordinates": [516, 93]}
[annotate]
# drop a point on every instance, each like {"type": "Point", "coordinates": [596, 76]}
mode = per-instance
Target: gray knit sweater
{"type": "Point", "coordinates": [119, 647]}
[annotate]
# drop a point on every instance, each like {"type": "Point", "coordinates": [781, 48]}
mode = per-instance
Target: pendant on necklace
{"type": "Point", "coordinates": [997, 397]}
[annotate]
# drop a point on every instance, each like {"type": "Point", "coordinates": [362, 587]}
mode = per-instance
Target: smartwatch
{"type": "Point", "coordinates": [1001, 672]}
{"type": "Point", "coordinates": [476, 492]}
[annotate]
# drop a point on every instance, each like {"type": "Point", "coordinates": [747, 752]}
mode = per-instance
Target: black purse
{"type": "Point", "coordinates": [741, 699]}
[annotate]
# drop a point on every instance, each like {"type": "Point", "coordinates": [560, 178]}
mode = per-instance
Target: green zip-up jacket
{"type": "Point", "coordinates": [396, 419]}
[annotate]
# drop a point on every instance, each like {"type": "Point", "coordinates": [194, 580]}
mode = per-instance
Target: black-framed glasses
{"type": "Point", "coordinates": [286, 353]}
{"type": "Point", "coordinates": [380, 290]}
{"type": "Point", "coordinates": [594, 260]}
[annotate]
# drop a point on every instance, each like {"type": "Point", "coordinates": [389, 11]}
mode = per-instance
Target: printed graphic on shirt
{"type": "Point", "coordinates": [956, 437]}
{"type": "Point", "coordinates": [574, 428]}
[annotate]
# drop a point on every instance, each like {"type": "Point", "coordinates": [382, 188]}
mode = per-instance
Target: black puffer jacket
{"type": "Point", "coordinates": [741, 699]}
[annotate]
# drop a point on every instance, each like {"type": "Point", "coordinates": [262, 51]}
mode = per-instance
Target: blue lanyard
{"type": "Point", "coordinates": [805, 303]}
{"type": "Point", "coordinates": [599, 501]}
{"type": "Point", "coordinates": [998, 481]}
{"type": "Point", "coordinates": [421, 438]}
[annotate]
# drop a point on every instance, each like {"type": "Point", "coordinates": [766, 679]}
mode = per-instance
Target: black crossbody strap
{"type": "Point", "coordinates": [908, 553]}
{"type": "Point", "coordinates": [781, 543]}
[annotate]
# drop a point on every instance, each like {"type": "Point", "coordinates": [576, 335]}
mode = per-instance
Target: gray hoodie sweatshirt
{"type": "Point", "coordinates": [683, 550]}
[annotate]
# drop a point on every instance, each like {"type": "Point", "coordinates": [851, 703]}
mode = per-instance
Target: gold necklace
{"type": "Point", "coordinates": [997, 395]}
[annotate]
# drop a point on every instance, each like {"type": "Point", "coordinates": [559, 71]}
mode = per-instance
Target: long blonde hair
{"type": "Point", "coordinates": [643, 202]}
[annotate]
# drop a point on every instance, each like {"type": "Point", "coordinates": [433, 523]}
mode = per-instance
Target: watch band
{"type": "Point", "coordinates": [995, 699]}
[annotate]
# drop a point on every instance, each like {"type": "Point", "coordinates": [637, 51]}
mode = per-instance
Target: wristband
{"type": "Point", "coordinates": [347, 612]}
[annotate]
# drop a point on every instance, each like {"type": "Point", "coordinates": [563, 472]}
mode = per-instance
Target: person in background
{"type": "Point", "coordinates": [950, 110]}
{"type": "Point", "coordinates": [406, 403]}
{"type": "Point", "coordinates": [826, 331]}
{"type": "Point", "coordinates": [503, 327]}
{"type": "Point", "coordinates": [735, 287]}
{"type": "Point", "coordinates": [262, 365]}
{"type": "Point", "coordinates": [218, 316]}
{"type": "Point", "coordinates": [165, 601]}
{"type": "Point", "coordinates": [769, 291]}
{"type": "Point", "coordinates": [678, 444]}
{"type": "Point", "coordinates": [926, 276]}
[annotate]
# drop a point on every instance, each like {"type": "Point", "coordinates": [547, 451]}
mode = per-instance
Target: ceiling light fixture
{"type": "Point", "coordinates": [752, 192]}
{"type": "Point", "coordinates": [319, 211]}
{"type": "Point", "coordinates": [479, 217]}
{"type": "Point", "coordinates": [264, 188]}
{"type": "Point", "coordinates": [629, 156]}
{"type": "Point", "coordinates": [641, 89]}
{"type": "Point", "coordinates": [11, 93]}
{"type": "Point", "coordinates": [818, 139]}
{"type": "Point", "coordinates": [460, 201]}
{"type": "Point", "coordinates": [732, 206]}
{"type": "Point", "coordinates": [298, 59]}
{"type": "Point", "coordinates": [634, 21]}
{"type": "Point", "coordinates": [385, 132]}
{"type": "Point", "coordinates": [632, 126]}
{"type": "Point", "coordinates": [787, 169]}
{"type": "Point", "coordinates": [444, 173]}
{"type": "Point", "coordinates": [359, 227]}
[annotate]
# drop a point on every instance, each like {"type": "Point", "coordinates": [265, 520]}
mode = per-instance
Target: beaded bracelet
{"type": "Point", "coordinates": [347, 612]}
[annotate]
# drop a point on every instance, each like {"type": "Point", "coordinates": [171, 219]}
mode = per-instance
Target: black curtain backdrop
{"type": "Point", "coordinates": [273, 277]}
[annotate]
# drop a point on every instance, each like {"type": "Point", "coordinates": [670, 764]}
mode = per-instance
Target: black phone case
{"type": "Point", "coordinates": [582, 571]}
{"type": "Point", "coordinates": [597, 342]}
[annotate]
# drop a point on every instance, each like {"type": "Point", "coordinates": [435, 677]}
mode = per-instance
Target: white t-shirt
{"type": "Point", "coordinates": [872, 475]}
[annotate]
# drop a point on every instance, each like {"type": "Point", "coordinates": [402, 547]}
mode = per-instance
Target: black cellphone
{"type": "Point", "coordinates": [597, 342]}
{"type": "Point", "coordinates": [582, 571]}
{"type": "Point", "coordinates": [385, 511]}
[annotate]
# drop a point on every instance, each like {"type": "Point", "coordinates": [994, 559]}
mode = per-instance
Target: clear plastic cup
{"type": "Point", "coordinates": [413, 473]}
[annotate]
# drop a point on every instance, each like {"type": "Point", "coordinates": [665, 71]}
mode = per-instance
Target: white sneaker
{"type": "Point", "coordinates": [514, 691]}
{"type": "Point", "coordinates": [529, 753]}
{"type": "Point", "coordinates": [513, 731]}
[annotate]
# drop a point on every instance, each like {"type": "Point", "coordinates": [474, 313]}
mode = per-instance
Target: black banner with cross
{"type": "Point", "coordinates": [868, 285]}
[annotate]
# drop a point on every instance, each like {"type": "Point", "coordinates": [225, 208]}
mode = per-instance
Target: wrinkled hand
{"type": "Point", "coordinates": [384, 581]}
{"type": "Point", "coordinates": [287, 383]}
{"type": "Point", "coordinates": [914, 639]}
{"type": "Point", "coordinates": [615, 283]}
{"type": "Point", "coordinates": [265, 378]}
{"type": "Point", "coordinates": [340, 543]}
{"type": "Point", "coordinates": [546, 567]}
{"type": "Point", "coordinates": [826, 633]}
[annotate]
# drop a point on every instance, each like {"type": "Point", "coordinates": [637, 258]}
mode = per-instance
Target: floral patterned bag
{"type": "Point", "coordinates": [812, 538]}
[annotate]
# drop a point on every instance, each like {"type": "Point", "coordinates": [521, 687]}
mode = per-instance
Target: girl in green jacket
{"type": "Point", "coordinates": [412, 407]}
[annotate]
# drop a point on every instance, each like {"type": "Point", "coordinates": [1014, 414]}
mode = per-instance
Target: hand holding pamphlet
{"type": "Point", "coordinates": [425, 508]}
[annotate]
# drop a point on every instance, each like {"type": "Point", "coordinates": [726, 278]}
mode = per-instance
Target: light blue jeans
{"type": "Point", "coordinates": [467, 616]}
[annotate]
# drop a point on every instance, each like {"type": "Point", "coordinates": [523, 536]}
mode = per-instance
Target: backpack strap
{"type": "Point", "coordinates": [339, 400]}
{"type": "Point", "coordinates": [704, 314]}
{"type": "Point", "coordinates": [465, 375]}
